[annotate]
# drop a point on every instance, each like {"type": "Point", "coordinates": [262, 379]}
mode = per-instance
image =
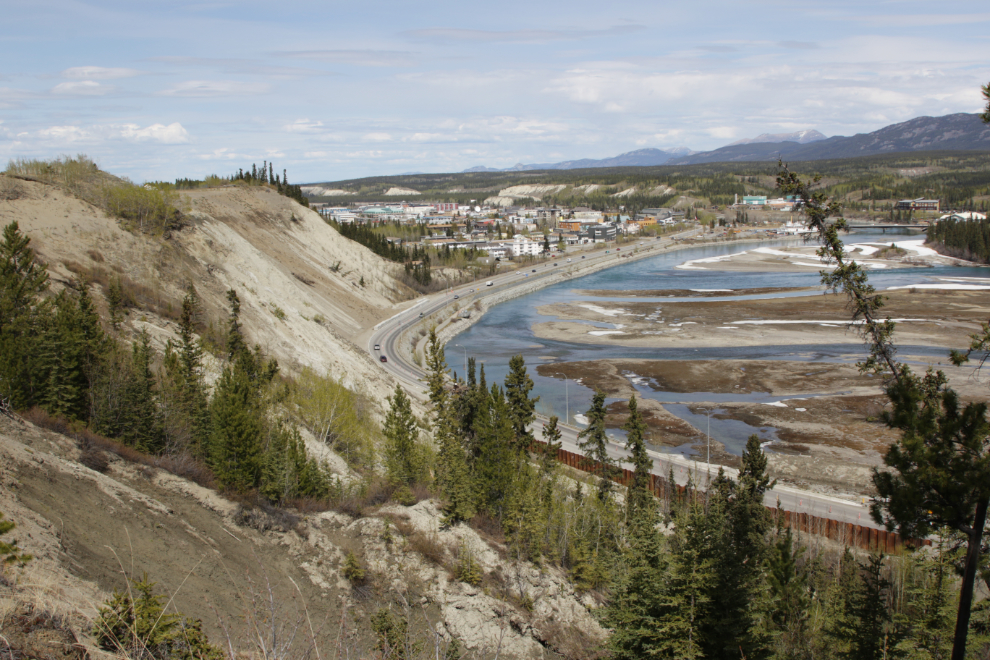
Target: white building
{"type": "Point", "coordinates": [522, 245]}
{"type": "Point", "coordinates": [968, 216]}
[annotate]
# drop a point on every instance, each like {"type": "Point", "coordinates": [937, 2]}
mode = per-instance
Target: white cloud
{"type": "Point", "coordinates": [377, 137]}
{"type": "Point", "coordinates": [172, 134]}
{"type": "Point", "coordinates": [206, 88]}
{"type": "Point", "coordinates": [303, 126]}
{"type": "Point", "coordinates": [98, 73]}
{"type": "Point", "coordinates": [81, 88]}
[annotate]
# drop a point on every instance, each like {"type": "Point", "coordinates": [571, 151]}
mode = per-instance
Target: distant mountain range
{"type": "Point", "coordinates": [963, 132]}
{"type": "Point", "coordinates": [640, 158]}
{"type": "Point", "coordinates": [801, 137]}
{"type": "Point", "coordinates": [958, 132]}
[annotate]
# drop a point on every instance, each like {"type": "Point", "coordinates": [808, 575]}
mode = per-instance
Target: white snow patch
{"type": "Point", "coordinates": [801, 409]}
{"type": "Point", "coordinates": [677, 325]}
{"type": "Point", "coordinates": [776, 404]}
{"type": "Point", "coordinates": [603, 311]}
{"type": "Point", "coordinates": [947, 287]}
{"type": "Point", "coordinates": [709, 290]}
{"type": "Point", "coordinates": [726, 327]}
{"type": "Point", "coordinates": [780, 253]}
{"type": "Point", "coordinates": [580, 419]}
{"type": "Point", "coordinates": [600, 333]}
{"type": "Point", "coordinates": [689, 265]}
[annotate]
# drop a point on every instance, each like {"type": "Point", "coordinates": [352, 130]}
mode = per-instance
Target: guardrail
{"type": "Point", "coordinates": [848, 534]}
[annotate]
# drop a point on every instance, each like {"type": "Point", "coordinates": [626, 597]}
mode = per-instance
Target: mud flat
{"type": "Point", "coordinates": [932, 317]}
{"type": "Point", "coordinates": [826, 417]}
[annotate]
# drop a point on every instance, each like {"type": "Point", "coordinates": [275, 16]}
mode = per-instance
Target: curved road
{"type": "Point", "coordinates": [387, 334]}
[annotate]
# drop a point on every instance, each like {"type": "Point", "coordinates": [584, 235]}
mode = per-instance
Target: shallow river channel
{"type": "Point", "coordinates": [506, 330]}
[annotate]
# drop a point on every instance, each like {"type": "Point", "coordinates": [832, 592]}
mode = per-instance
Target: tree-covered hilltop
{"type": "Point", "coordinates": [256, 176]}
{"type": "Point", "coordinates": [960, 179]}
{"type": "Point", "coordinates": [966, 239]}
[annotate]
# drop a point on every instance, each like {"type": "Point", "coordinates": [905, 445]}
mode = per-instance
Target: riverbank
{"type": "Point", "coordinates": [925, 317]}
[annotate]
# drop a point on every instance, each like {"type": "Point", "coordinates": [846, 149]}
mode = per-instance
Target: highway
{"type": "Point", "coordinates": [387, 336]}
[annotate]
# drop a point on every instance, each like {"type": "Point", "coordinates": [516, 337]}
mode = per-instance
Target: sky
{"type": "Point", "coordinates": [335, 90]}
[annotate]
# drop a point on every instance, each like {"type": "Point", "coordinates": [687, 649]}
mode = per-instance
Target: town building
{"type": "Point", "coordinates": [601, 233]}
{"type": "Point", "coordinates": [917, 205]}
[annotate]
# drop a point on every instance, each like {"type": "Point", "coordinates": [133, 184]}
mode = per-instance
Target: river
{"type": "Point", "coordinates": [506, 330]}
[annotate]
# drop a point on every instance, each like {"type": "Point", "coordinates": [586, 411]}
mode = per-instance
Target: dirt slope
{"type": "Point", "coordinates": [87, 530]}
{"type": "Point", "coordinates": [297, 278]}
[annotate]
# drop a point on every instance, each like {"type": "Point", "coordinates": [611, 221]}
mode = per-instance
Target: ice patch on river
{"type": "Point", "coordinates": [601, 310]}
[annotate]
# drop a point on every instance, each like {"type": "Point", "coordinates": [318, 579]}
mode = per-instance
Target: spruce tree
{"type": "Point", "coordinates": [115, 300]}
{"type": "Point", "coordinates": [452, 471]}
{"type": "Point", "coordinates": [873, 636]}
{"type": "Point", "coordinates": [24, 315]}
{"type": "Point", "coordinates": [548, 460]}
{"type": "Point", "coordinates": [142, 425]}
{"type": "Point", "coordinates": [235, 438]}
{"type": "Point", "coordinates": [518, 385]}
{"type": "Point", "coordinates": [639, 496]}
{"type": "Point", "coordinates": [61, 360]}
{"type": "Point", "coordinates": [191, 403]}
{"type": "Point", "coordinates": [496, 467]}
{"type": "Point", "coordinates": [405, 461]}
{"type": "Point", "coordinates": [594, 442]}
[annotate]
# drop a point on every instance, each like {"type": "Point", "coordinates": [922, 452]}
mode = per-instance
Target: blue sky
{"type": "Point", "coordinates": [332, 90]}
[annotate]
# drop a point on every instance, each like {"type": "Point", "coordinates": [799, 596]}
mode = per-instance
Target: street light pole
{"type": "Point", "coordinates": [567, 400]}
{"type": "Point", "coordinates": [465, 358]}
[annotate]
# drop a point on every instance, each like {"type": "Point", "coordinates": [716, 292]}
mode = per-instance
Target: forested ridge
{"type": "Point", "coordinates": [966, 239]}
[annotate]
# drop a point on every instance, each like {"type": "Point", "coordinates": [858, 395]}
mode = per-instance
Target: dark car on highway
{"type": "Point", "coordinates": [383, 359]}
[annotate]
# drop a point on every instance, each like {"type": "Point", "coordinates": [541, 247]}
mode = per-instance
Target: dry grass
{"type": "Point", "coordinates": [94, 448]}
{"type": "Point", "coordinates": [135, 295]}
{"type": "Point", "coordinates": [9, 189]}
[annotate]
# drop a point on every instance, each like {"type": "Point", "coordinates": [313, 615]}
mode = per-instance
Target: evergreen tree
{"type": "Point", "coordinates": [405, 460]}
{"type": "Point", "coordinates": [235, 438]}
{"type": "Point", "coordinates": [941, 475]}
{"type": "Point", "coordinates": [518, 385]}
{"type": "Point", "coordinates": [496, 467]}
{"type": "Point", "coordinates": [142, 421]}
{"type": "Point", "coordinates": [23, 318]}
{"type": "Point", "coordinates": [115, 299]}
{"type": "Point", "coordinates": [594, 442]}
{"type": "Point", "coordinates": [189, 415]}
{"type": "Point", "coordinates": [548, 460]}
{"type": "Point", "coordinates": [61, 361]}
{"type": "Point", "coordinates": [639, 497]}
{"type": "Point", "coordinates": [872, 634]}
{"type": "Point", "coordinates": [789, 595]}
{"type": "Point", "coordinates": [452, 471]}
{"type": "Point", "coordinates": [741, 564]}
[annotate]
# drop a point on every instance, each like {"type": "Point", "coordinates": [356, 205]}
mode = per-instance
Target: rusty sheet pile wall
{"type": "Point", "coordinates": [849, 534]}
